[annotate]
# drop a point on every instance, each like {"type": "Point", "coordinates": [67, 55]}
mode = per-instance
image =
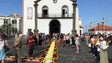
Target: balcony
{"type": "Point", "coordinates": [55, 15]}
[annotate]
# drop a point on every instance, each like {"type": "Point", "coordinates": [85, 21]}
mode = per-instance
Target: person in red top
{"type": "Point", "coordinates": [61, 40]}
{"type": "Point", "coordinates": [30, 44]}
{"type": "Point", "coordinates": [67, 40]}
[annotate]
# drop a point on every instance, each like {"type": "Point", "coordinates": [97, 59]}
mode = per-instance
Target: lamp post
{"type": "Point", "coordinates": [90, 27]}
{"type": "Point", "coordinates": [102, 27]}
{"type": "Point", "coordinates": [36, 14]}
{"type": "Point", "coordinates": [98, 27]}
{"type": "Point", "coordinates": [74, 16]}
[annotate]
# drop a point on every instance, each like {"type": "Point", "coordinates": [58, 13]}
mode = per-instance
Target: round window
{"type": "Point", "coordinates": [54, 1]}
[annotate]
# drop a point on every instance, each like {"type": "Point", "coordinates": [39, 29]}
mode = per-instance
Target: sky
{"type": "Point", "coordinates": [91, 11]}
{"type": "Point", "coordinates": [8, 7]}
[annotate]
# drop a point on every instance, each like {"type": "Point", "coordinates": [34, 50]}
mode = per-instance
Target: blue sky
{"type": "Point", "coordinates": [89, 10]}
{"type": "Point", "coordinates": [94, 10]}
{"type": "Point", "coordinates": [8, 7]}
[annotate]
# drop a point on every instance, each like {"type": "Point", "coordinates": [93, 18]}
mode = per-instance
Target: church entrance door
{"type": "Point", "coordinates": [54, 27]}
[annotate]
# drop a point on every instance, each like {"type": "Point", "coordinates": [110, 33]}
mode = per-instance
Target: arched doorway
{"type": "Point", "coordinates": [54, 27]}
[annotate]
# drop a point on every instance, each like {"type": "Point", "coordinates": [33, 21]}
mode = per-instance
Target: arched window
{"type": "Point", "coordinates": [45, 11]}
{"type": "Point", "coordinates": [65, 10]}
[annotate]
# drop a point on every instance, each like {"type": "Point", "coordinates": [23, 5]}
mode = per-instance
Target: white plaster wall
{"type": "Point", "coordinates": [107, 32]}
{"type": "Point", "coordinates": [55, 7]}
{"type": "Point", "coordinates": [44, 25]}
{"type": "Point", "coordinates": [1, 21]}
{"type": "Point", "coordinates": [66, 24]}
{"type": "Point", "coordinates": [28, 23]}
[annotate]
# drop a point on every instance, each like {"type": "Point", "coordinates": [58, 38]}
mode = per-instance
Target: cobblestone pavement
{"type": "Point", "coordinates": [67, 55]}
{"type": "Point", "coordinates": [24, 50]}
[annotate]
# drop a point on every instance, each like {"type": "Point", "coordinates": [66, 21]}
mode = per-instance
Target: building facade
{"type": "Point", "coordinates": [12, 22]}
{"type": "Point", "coordinates": [54, 16]}
{"type": "Point", "coordinates": [102, 29]}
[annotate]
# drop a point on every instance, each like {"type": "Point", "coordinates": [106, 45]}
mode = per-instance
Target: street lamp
{"type": "Point", "coordinates": [98, 27]}
{"type": "Point", "coordinates": [74, 15]}
{"type": "Point", "coordinates": [102, 27]}
{"type": "Point", "coordinates": [36, 14]}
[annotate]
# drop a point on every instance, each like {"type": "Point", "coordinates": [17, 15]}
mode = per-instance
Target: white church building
{"type": "Point", "coordinates": [54, 16]}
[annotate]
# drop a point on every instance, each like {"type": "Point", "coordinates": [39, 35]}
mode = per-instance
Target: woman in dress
{"type": "Point", "coordinates": [2, 51]}
{"type": "Point", "coordinates": [77, 42]}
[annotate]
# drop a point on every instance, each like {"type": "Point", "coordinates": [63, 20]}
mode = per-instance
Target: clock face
{"type": "Point", "coordinates": [54, 1]}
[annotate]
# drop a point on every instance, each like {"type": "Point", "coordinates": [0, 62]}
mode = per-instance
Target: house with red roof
{"type": "Point", "coordinates": [101, 29]}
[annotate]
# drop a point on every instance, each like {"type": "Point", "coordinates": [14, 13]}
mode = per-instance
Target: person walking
{"type": "Point", "coordinates": [77, 42]}
{"type": "Point", "coordinates": [103, 45]}
{"type": "Point", "coordinates": [30, 44]}
{"type": "Point", "coordinates": [40, 42]}
{"type": "Point", "coordinates": [2, 50]}
{"type": "Point", "coordinates": [92, 40]}
{"type": "Point", "coordinates": [67, 40]}
{"type": "Point", "coordinates": [98, 50]}
{"type": "Point", "coordinates": [61, 40]}
{"type": "Point", "coordinates": [36, 40]}
{"type": "Point", "coordinates": [17, 47]}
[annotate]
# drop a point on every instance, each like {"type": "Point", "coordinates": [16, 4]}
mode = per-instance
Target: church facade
{"type": "Point", "coordinates": [54, 16]}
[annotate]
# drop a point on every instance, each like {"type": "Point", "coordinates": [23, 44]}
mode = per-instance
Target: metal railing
{"type": "Point", "coordinates": [55, 15]}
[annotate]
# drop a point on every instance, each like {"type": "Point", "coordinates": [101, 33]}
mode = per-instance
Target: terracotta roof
{"type": "Point", "coordinates": [80, 26]}
{"type": "Point", "coordinates": [101, 27]}
{"type": "Point", "coordinates": [16, 15]}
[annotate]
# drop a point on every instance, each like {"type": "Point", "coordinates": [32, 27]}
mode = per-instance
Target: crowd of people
{"type": "Point", "coordinates": [98, 44]}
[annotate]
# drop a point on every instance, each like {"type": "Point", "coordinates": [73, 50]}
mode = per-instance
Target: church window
{"type": "Point", "coordinates": [29, 13]}
{"type": "Point", "coordinates": [45, 11]}
{"type": "Point", "coordinates": [65, 11]}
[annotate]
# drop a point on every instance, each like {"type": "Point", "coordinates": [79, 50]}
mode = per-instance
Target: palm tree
{"type": "Point", "coordinates": [8, 28]}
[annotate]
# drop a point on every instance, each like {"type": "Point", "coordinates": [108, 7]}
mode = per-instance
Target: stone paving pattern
{"type": "Point", "coordinates": [66, 54]}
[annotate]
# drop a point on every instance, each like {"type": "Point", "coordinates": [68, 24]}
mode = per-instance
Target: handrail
{"type": "Point", "coordinates": [55, 15]}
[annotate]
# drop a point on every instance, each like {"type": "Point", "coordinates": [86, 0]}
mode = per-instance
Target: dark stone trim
{"type": "Point", "coordinates": [55, 17]}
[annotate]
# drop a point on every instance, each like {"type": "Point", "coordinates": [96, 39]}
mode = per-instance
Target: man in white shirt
{"type": "Point", "coordinates": [102, 46]}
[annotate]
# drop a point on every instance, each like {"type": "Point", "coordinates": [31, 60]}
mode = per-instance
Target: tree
{"type": "Point", "coordinates": [8, 28]}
